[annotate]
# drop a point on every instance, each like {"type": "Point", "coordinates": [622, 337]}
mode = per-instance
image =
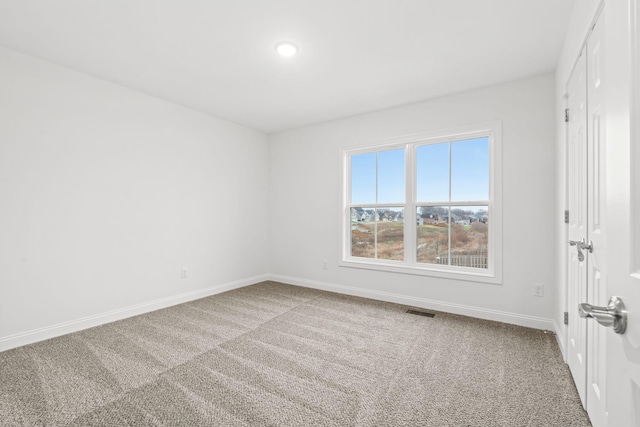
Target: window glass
{"type": "Point", "coordinates": [391, 176]}
{"type": "Point", "coordinates": [363, 178]}
{"type": "Point", "coordinates": [432, 172]}
{"type": "Point", "coordinates": [362, 233]}
{"type": "Point", "coordinates": [469, 236]}
{"type": "Point", "coordinates": [432, 234]}
{"type": "Point", "coordinates": [390, 238]}
{"type": "Point", "coordinates": [470, 170]}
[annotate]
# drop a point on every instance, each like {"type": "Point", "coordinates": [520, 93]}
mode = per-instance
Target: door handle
{"type": "Point", "coordinates": [613, 315]}
{"type": "Point", "coordinates": [578, 245]}
{"type": "Point", "coordinates": [586, 246]}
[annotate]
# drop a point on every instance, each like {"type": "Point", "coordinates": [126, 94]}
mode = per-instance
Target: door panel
{"type": "Point", "coordinates": [596, 222]}
{"type": "Point", "coordinates": [606, 364]}
{"type": "Point", "coordinates": [577, 185]}
{"type": "Point", "coordinates": [623, 208]}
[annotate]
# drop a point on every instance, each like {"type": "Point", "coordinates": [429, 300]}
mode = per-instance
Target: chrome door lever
{"type": "Point", "coordinates": [613, 315]}
{"type": "Point", "coordinates": [579, 246]}
{"type": "Point", "coordinates": [587, 246]}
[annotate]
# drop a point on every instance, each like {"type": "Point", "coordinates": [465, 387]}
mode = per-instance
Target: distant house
{"type": "Point", "coordinates": [464, 220]}
{"type": "Point", "coordinates": [390, 215]}
{"type": "Point", "coordinates": [455, 218]}
{"type": "Point", "coordinates": [429, 218]}
{"type": "Point", "coordinates": [358, 214]}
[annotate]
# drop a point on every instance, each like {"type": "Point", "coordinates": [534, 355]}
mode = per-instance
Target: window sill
{"type": "Point", "coordinates": [452, 273]}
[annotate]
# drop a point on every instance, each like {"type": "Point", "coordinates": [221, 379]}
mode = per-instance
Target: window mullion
{"type": "Point", "coordinates": [346, 213]}
{"type": "Point", "coordinates": [449, 237]}
{"type": "Point", "coordinates": [375, 216]}
{"type": "Point", "coordinates": [410, 230]}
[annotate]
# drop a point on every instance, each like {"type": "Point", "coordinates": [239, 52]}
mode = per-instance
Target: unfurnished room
{"type": "Point", "coordinates": [320, 213]}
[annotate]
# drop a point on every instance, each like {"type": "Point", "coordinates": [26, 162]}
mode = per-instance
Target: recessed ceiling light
{"type": "Point", "coordinates": [286, 48]}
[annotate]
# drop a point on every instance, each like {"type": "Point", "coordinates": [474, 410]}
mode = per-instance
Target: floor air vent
{"type": "Point", "coordinates": [421, 313]}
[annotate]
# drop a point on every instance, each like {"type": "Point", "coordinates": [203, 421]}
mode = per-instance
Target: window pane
{"type": "Point", "coordinates": [469, 236]}
{"type": "Point", "coordinates": [362, 233]}
{"type": "Point", "coordinates": [391, 176]}
{"type": "Point", "coordinates": [470, 169]}
{"type": "Point", "coordinates": [433, 234]}
{"type": "Point", "coordinates": [363, 178]}
{"type": "Point", "coordinates": [432, 172]}
{"type": "Point", "coordinates": [391, 233]}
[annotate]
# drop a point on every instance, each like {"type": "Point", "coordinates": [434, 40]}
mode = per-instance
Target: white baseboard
{"type": "Point", "coordinates": [52, 331]}
{"type": "Point", "coordinates": [560, 337]}
{"type": "Point", "coordinates": [47, 332]}
{"type": "Point", "coordinates": [465, 310]}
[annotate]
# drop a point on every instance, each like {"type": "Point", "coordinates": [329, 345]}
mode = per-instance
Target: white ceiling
{"type": "Point", "coordinates": [355, 56]}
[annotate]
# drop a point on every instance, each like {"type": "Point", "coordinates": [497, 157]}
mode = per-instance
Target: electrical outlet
{"type": "Point", "coordinates": [325, 265]}
{"type": "Point", "coordinates": [183, 273]}
{"type": "Point", "coordinates": [538, 290]}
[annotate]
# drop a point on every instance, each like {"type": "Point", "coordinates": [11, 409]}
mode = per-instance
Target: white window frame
{"type": "Point", "coordinates": [493, 274]}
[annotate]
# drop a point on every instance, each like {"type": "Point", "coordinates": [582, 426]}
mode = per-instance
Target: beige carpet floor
{"type": "Point", "coordinates": [278, 355]}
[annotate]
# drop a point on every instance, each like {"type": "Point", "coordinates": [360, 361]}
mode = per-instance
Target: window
{"type": "Point", "coordinates": [377, 211]}
{"type": "Point", "coordinates": [427, 204]}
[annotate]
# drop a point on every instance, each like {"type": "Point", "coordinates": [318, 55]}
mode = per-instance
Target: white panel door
{"type": "Point", "coordinates": [623, 207]}
{"type": "Point", "coordinates": [596, 221]}
{"type": "Point", "coordinates": [577, 204]}
{"type": "Point", "coordinates": [587, 200]}
{"type": "Point", "coordinates": [605, 363]}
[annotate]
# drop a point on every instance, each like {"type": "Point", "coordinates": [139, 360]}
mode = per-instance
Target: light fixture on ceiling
{"type": "Point", "coordinates": [286, 48]}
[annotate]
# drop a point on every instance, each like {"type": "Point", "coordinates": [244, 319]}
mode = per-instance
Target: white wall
{"type": "Point", "coordinates": [304, 182]}
{"type": "Point", "coordinates": [105, 193]}
{"type": "Point", "coordinates": [581, 20]}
